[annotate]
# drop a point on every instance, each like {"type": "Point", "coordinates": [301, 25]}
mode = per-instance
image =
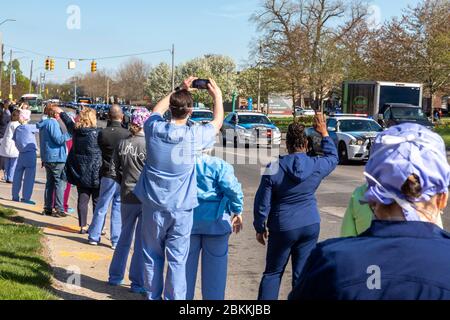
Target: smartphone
{"type": "Point", "coordinates": [200, 84]}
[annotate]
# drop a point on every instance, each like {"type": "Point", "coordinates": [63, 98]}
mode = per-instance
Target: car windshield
{"type": "Point", "coordinates": [407, 113]}
{"type": "Point", "coordinates": [359, 126]}
{"type": "Point", "coordinates": [202, 115]}
{"type": "Point", "coordinates": [253, 119]}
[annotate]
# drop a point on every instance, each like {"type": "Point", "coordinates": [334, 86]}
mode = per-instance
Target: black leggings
{"type": "Point", "coordinates": [84, 195]}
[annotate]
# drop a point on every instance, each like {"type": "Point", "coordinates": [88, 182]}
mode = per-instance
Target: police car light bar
{"type": "Point", "coordinates": [349, 115]}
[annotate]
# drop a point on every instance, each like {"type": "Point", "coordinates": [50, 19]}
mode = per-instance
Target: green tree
{"type": "Point", "coordinates": [159, 82]}
{"type": "Point", "coordinates": [220, 68]}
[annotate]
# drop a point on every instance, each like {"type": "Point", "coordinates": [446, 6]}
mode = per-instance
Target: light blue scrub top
{"type": "Point", "coordinates": [168, 180]}
{"type": "Point", "coordinates": [220, 195]}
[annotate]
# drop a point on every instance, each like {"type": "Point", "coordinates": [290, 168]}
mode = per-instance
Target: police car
{"type": "Point", "coordinates": [352, 134]}
{"type": "Point", "coordinates": [250, 128]}
{"type": "Point", "coordinates": [200, 117]}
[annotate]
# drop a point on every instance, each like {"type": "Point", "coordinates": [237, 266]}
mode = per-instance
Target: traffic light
{"type": "Point", "coordinates": [94, 66]}
{"type": "Point", "coordinates": [52, 64]}
{"type": "Point", "coordinates": [47, 64]}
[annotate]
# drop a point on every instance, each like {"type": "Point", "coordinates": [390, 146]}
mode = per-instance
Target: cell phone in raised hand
{"type": "Point", "coordinates": [200, 84]}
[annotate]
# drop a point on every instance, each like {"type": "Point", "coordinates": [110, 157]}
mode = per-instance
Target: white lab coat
{"type": "Point", "coordinates": [7, 145]}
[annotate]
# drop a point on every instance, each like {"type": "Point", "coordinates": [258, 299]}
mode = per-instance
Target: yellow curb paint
{"type": "Point", "coordinates": [69, 229]}
{"type": "Point", "coordinates": [85, 256]}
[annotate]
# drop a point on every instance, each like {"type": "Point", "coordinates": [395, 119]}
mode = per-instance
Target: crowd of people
{"type": "Point", "coordinates": [176, 202]}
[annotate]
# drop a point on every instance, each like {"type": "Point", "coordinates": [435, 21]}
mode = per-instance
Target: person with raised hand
{"type": "Point", "coordinates": [167, 187]}
{"type": "Point", "coordinates": [405, 253]}
{"type": "Point", "coordinates": [286, 213]}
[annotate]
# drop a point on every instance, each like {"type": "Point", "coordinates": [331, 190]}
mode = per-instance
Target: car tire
{"type": "Point", "coordinates": [343, 153]}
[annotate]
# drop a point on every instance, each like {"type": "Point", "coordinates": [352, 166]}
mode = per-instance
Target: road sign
{"type": "Point", "coordinates": [72, 65]}
{"type": "Point", "coordinates": [13, 78]}
{"type": "Point", "coordinates": [250, 104]}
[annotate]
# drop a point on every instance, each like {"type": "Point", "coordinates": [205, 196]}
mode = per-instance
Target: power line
{"type": "Point", "coordinates": [89, 59]}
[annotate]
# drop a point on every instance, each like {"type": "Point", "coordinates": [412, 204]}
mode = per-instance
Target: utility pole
{"type": "Point", "coordinates": [1, 63]}
{"type": "Point", "coordinates": [259, 76]}
{"type": "Point", "coordinates": [173, 67]}
{"type": "Point", "coordinates": [31, 77]}
{"type": "Point", "coordinates": [10, 75]}
{"type": "Point", "coordinates": [107, 91]}
{"type": "Point", "coordinates": [75, 91]}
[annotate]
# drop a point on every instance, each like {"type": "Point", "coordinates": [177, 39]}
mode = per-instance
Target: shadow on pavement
{"type": "Point", "coordinates": [9, 206]}
{"type": "Point", "coordinates": [101, 287]}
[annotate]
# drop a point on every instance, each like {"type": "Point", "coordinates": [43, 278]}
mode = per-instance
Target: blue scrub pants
{"type": "Point", "coordinates": [24, 176]}
{"type": "Point", "coordinates": [165, 233]}
{"type": "Point", "coordinates": [214, 250]}
{"type": "Point", "coordinates": [10, 168]}
{"type": "Point", "coordinates": [131, 226]}
{"type": "Point", "coordinates": [109, 192]}
{"type": "Point", "coordinates": [297, 244]}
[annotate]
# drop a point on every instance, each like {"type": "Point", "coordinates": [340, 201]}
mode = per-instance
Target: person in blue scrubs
{"type": "Point", "coordinates": [25, 174]}
{"type": "Point", "coordinates": [405, 254]}
{"type": "Point", "coordinates": [218, 215]}
{"type": "Point", "coordinates": [126, 166]}
{"type": "Point", "coordinates": [167, 188]}
{"type": "Point", "coordinates": [286, 211]}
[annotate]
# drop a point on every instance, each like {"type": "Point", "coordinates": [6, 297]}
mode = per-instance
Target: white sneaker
{"type": "Point", "coordinates": [93, 243]}
{"type": "Point", "coordinates": [113, 247]}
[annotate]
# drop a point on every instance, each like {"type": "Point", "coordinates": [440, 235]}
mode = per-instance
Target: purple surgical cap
{"type": "Point", "coordinates": [400, 152]}
{"type": "Point", "coordinates": [140, 116]}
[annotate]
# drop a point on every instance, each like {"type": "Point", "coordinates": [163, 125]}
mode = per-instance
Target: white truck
{"type": "Point", "coordinates": [371, 97]}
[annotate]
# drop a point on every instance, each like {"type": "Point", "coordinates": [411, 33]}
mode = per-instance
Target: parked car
{"type": "Point", "coordinates": [353, 136]}
{"type": "Point", "coordinates": [301, 112]}
{"type": "Point", "coordinates": [200, 117]}
{"type": "Point", "coordinates": [250, 129]}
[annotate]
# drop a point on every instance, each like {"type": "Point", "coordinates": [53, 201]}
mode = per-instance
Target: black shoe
{"type": "Point", "coordinates": [60, 214]}
{"type": "Point", "coordinates": [47, 213]}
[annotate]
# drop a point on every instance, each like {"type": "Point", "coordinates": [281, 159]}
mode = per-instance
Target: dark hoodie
{"type": "Point", "coordinates": [286, 197]}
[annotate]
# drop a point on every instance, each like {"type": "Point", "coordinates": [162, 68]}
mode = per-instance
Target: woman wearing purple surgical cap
{"type": "Point", "coordinates": [405, 255]}
{"type": "Point", "coordinates": [126, 167]}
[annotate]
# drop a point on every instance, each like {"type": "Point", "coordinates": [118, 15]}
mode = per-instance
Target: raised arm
{"type": "Point", "coordinates": [330, 159]}
{"type": "Point", "coordinates": [219, 113]}
{"type": "Point", "coordinates": [70, 125]}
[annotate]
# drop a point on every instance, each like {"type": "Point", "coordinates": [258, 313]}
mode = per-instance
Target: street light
{"type": "Point", "coordinates": [7, 20]}
{"type": "Point", "coordinates": [1, 54]}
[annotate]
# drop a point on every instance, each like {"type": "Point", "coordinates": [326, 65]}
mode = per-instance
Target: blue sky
{"type": "Point", "coordinates": [110, 28]}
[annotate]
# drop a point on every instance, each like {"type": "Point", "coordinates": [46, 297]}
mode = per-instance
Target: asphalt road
{"type": "Point", "coordinates": [247, 257]}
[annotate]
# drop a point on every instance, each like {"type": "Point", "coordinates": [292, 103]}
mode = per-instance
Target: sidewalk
{"type": "Point", "coordinates": [68, 250]}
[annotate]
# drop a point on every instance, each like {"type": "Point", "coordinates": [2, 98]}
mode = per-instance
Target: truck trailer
{"type": "Point", "coordinates": [369, 97]}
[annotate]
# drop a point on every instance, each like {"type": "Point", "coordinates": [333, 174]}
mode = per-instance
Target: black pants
{"type": "Point", "coordinates": [84, 195]}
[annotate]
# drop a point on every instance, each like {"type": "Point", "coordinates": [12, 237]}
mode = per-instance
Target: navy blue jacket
{"type": "Point", "coordinates": [412, 258]}
{"type": "Point", "coordinates": [85, 159]}
{"type": "Point", "coordinates": [286, 197]}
